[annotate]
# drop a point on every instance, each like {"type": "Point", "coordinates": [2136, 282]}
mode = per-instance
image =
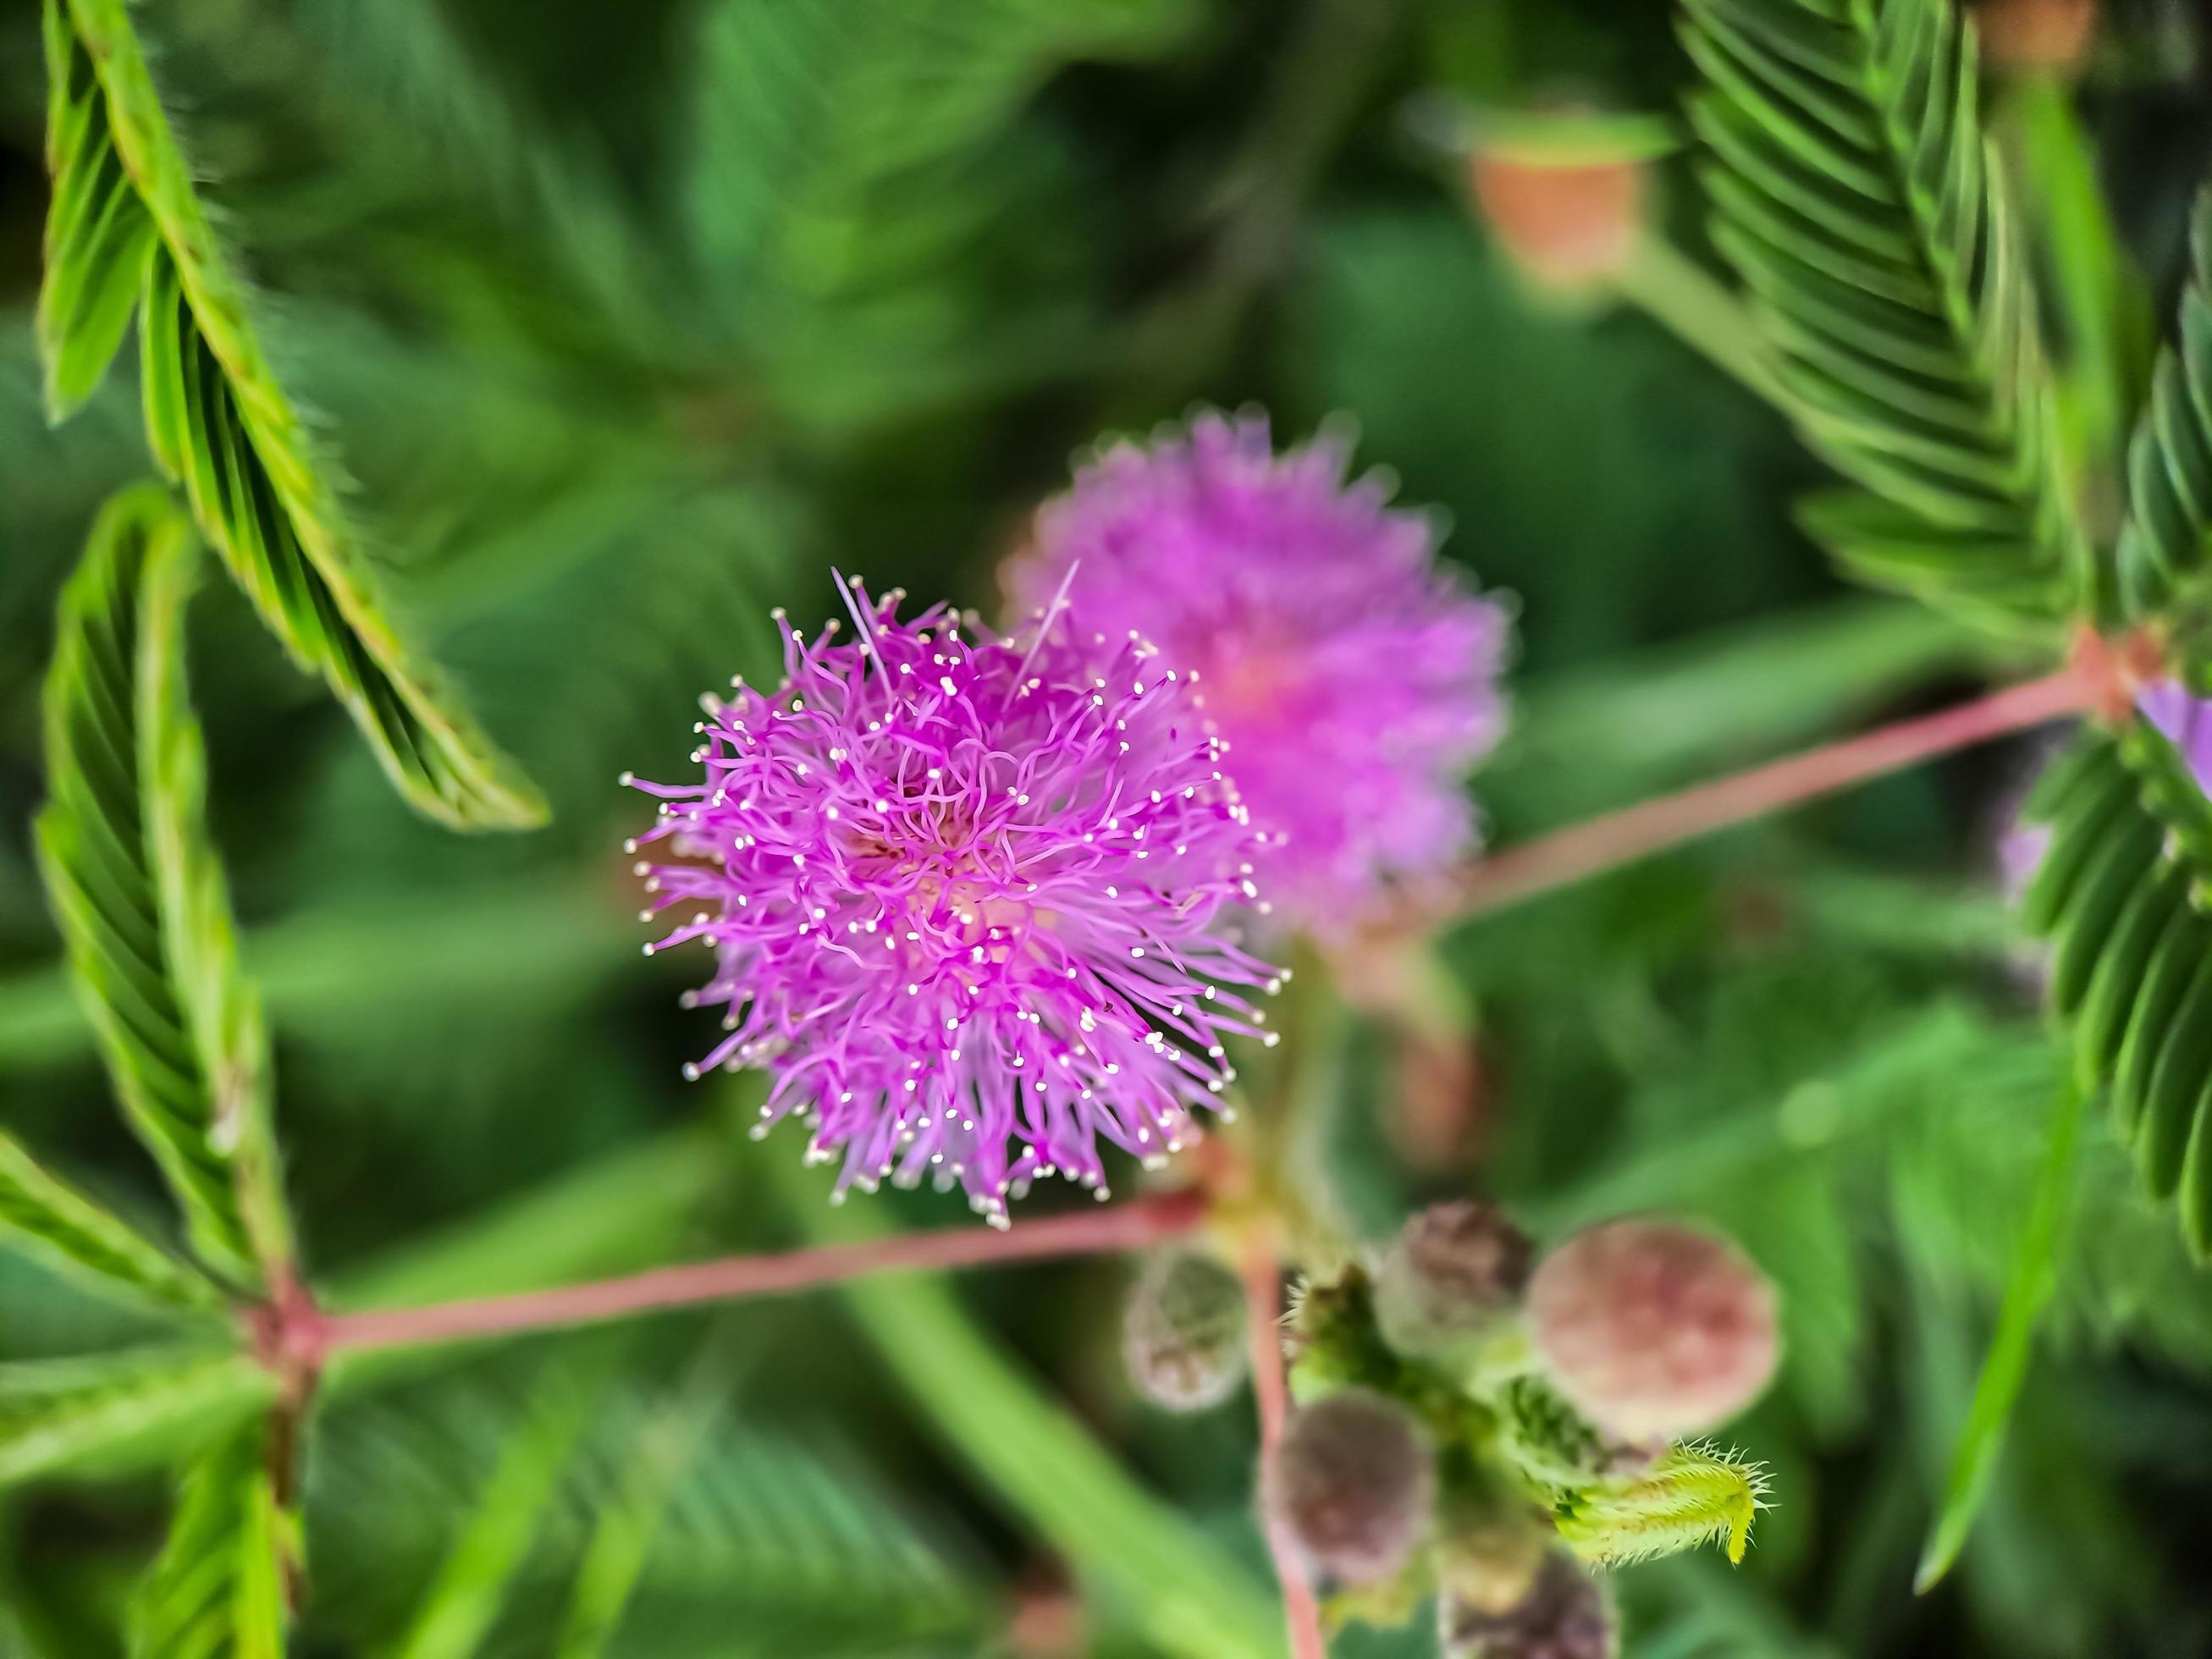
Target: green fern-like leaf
{"type": "Point", "coordinates": [2121, 893]}
{"type": "Point", "coordinates": [104, 1412]}
{"type": "Point", "coordinates": [140, 894]}
{"type": "Point", "coordinates": [464, 1599]}
{"type": "Point", "coordinates": [99, 234]}
{"type": "Point", "coordinates": [659, 1525]}
{"type": "Point", "coordinates": [219, 420]}
{"type": "Point", "coordinates": [69, 1231]}
{"type": "Point", "coordinates": [2162, 549]}
{"type": "Point", "coordinates": [1853, 191]}
{"type": "Point", "coordinates": [835, 205]}
{"type": "Point", "coordinates": [218, 1591]}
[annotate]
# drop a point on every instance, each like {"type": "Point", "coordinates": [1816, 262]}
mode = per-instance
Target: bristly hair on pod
{"type": "Point", "coordinates": [1327, 642]}
{"type": "Point", "coordinates": [971, 901]}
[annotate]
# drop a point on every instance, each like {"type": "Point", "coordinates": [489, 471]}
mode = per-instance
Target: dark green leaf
{"type": "Point", "coordinates": [58, 1225]}
{"type": "Point", "coordinates": [218, 1591]}
{"type": "Point", "coordinates": [219, 420]}
{"type": "Point", "coordinates": [1854, 192]}
{"type": "Point", "coordinates": [111, 1411]}
{"type": "Point", "coordinates": [139, 891]}
{"type": "Point", "coordinates": [2034, 1279]}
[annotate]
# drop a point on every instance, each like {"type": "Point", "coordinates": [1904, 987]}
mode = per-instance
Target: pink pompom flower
{"type": "Point", "coordinates": [1354, 681]}
{"type": "Point", "coordinates": [968, 899]}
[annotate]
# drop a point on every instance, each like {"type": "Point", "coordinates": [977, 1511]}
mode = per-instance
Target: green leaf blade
{"type": "Point", "coordinates": [99, 234]}
{"type": "Point", "coordinates": [2161, 557]}
{"type": "Point", "coordinates": [218, 1589]}
{"type": "Point", "coordinates": [127, 212]}
{"type": "Point", "coordinates": [1188, 1597]}
{"type": "Point", "coordinates": [1996, 1390]}
{"type": "Point", "coordinates": [66, 1230]}
{"type": "Point", "coordinates": [1853, 190]}
{"type": "Point", "coordinates": [115, 1411]}
{"type": "Point", "coordinates": [139, 892]}
{"type": "Point", "coordinates": [464, 1599]}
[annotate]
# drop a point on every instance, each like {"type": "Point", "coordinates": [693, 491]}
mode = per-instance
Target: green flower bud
{"type": "Point", "coordinates": [1183, 1332]}
{"type": "Point", "coordinates": [1452, 1282]}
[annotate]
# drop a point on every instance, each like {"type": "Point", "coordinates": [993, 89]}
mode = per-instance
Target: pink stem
{"type": "Point", "coordinates": [1124, 1227]}
{"type": "Point", "coordinates": [1654, 826]}
{"type": "Point", "coordinates": [1263, 1314]}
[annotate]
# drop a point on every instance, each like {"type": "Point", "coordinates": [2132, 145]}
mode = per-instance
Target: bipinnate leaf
{"type": "Point", "coordinates": [99, 234]}
{"type": "Point", "coordinates": [218, 1591]}
{"type": "Point", "coordinates": [464, 1599]}
{"type": "Point", "coordinates": [127, 209]}
{"type": "Point", "coordinates": [112, 1412]}
{"type": "Point", "coordinates": [49, 1219]}
{"type": "Point", "coordinates": [2161, 557]}
{"type": "Point", "coordinates": [139, 892]}
{"type": "Point", "coordinates": [1856, 193]}
{"type": "Point", "coordinates": [2121, 894]}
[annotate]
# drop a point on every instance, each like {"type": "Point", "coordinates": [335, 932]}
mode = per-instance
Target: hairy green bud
{"type": "Point", "coordinates": [1452, 1282]}
{"type": "Point", "coordinates": [1183, 1332]}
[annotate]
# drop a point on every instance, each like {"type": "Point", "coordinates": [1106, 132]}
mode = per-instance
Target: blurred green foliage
{"type": "Point", "coordinates": [626, 322]}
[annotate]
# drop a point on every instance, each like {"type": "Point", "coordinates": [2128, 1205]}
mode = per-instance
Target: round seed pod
{"type": "Point", "coordinates": [1568, 223]}
{"type": "Point", "coordinates": [1567, 1614]}
{"type": "Point", "coordinates": [1491, 1547]}
{"type": "Point", "coordinates": [1653, 1330]}
{"type": "Point", "coordinates": [1350, 1483]}
{"type": "Point", "coordinates": [1183, 1332]}
{"type": "Point", "coordinates": [2033, 36]}
{"type": "Point", "coordinates": [1454, 1278]}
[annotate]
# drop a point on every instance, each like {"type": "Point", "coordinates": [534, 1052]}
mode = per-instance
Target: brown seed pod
{"type": "Point", "coordinates": [1350, 1483]}
{"type": "Point", "coordinates": [1567, 1614]}
{"type": "Point", "coordinates": [1568, 224]}
{"type": "Point", "coordinates": [1653, 1330]}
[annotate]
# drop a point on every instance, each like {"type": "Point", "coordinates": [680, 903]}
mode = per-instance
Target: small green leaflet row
{"type": "Point", "coordinates": [128, 231]}
{"type": "Point", "coordinates": [1854, 192]}
{"type": "Point", "coordinates": [2121, 894]}
{"type": "Point", "coordinates": [140, 894]}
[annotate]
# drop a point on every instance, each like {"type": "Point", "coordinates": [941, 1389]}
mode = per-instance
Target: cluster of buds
{"type": "Point", "coordinates": [1488, 1427]}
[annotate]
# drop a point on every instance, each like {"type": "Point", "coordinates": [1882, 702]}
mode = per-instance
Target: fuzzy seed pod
{"type": "Point", "coordinates": [1351, 1484]}
{"type": "Point", "coordinates": [1653, 1330]}
{"type": "Point", "coordinates": [1492, 1545]}
{"type": "Point", "coordinates": [2037, 35]}
{"type": "Point", "coordinates": [1568, 224]}
{"type": "Point", "coordinates": [1183, 1332]}
{"type": "Point", "coordinates": [1567, 1614]}
{"type": "Point", "coordinates": [1454, 1277]}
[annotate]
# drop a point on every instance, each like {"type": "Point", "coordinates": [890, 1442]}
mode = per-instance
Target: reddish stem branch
{"type": "Point", "coordinates": [1127, 1226]}
{"type": "Point", "coordinates": [1262, 1313]}
{"type": "Point", "coordinates": [1654, 826]}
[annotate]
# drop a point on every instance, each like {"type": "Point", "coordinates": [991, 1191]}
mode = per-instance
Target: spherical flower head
{"type": "Point", "coordinates": [2185, 720]}
{"type": "Point", "coordinates": [969, 900]}
{"type": "Point", "coordinates": [1183, 1331]}
{"type": "Point", "coordinates": [1353, 680]}
{"type": "Point", "coordinates": [1351, 1484]}
{"type": "Point", "coordinates": [1653, 1330]}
